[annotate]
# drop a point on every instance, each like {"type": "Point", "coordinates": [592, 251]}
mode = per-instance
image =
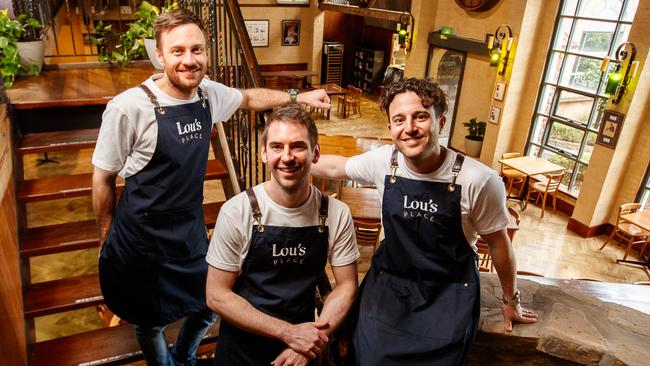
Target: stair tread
{"type": "Point", "coordinates": [106, 346]}
{"type": "Point", "coordinates": [62, 295]}
{"type": "Point", "coordinates": [81, 235]}
{"type": "Point", "coordinates": [33, 143]}
{"type": "Point", "coordinates": [51, 188]}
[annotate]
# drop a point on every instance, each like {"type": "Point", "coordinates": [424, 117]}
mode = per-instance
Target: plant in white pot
{"type": "Point", "coordinates": [474, 137]}
{"type": "Point", "coordinates": [12, 58]}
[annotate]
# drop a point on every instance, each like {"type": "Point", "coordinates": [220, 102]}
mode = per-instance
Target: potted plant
{"type": "Point", "coordinates": [135, 42]}
{"type": "Point", "coordinates": [11, 31]}
{"type": "Point", "coordinates": [31, 47]}
{"type": "Point", "coordinates": [474, 138]}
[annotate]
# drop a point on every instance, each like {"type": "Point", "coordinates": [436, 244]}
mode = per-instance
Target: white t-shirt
{"type": "Point", "coordinates": [128, 134]}
{"type": "Point", "coordinates": [482, 203]}
{"type": "Point", "coordinates": [232, 234]}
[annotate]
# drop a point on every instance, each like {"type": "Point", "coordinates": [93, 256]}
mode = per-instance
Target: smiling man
{"type": "Point", "coordinates": [269, 246]}
{"type": "Point", "coordinates": [152, 265]}
{"type": "Point", "coordinates": [419, 302]}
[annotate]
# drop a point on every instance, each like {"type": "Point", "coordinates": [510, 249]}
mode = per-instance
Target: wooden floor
{"type": "Point", "coordinates": [542, 245]}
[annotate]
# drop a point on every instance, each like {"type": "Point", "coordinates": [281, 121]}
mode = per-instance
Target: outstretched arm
{"type": "Point", "coordinates": [103, 200]}
{"type": "Point", "coordinates": [504, 262]}
{"type": "Point", "coordinates": [308, 339]}
{"type": "Point", "coordinates": [330, 167]}
{"type": "Point", "coordinates": [260, 99]}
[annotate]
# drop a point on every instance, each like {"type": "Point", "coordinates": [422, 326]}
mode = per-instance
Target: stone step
{"type": "Point", "coordinates": [80, 235]}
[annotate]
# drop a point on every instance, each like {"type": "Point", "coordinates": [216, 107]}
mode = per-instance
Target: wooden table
{"type": "Point", "coordinates": [642, 220]}
{"type": "Point", "coordinates": [332, 90]}
{"type": "Point", "coordinates": [364, 203]}
{"type": "Point", "coordinates": [530, 165]}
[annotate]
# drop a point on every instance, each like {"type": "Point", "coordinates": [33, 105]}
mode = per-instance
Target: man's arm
{"type": "Point", "coordinates": [259, 99]}
{"type": "Point", "coordinates": [103, 200]}
{"type": "Point", "coordinates": [334, 310]}
{"type": "Point", "coordinates": [504, 262]}
{"type": "Point", "coordinates": [305, 338]}
{"type": "Point", "coordinates": [330, 167]}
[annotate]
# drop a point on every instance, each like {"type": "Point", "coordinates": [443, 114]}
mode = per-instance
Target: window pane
{"type": "Point", "coordinates": [630, 9]}
{"type": "Point", "coordinates": [581, 73]}
{"type": "Point", "coordinates": [621, 36]}
{"type": "Point", "coordinates": [592, 37]}
{"type": "Point", "coordinates": [563, 32]}
{"type": "Point", "coordinates": [589, 147]}
{"type": "Point", "coordinates": [547, 100]}
{"type": "Point", "coordinates": [645, 199]}
{"type": "Point", "coordinates": [533, 150]}
{"type": "Point", "coordinates": [553, 72]}
{"type": "Point", "coordinates": [569, 7]}
{"type": "Point", "coordinates": [573, 106]}
{"type": "Point", "coordinates": [538, 129]}
{"type": "Point", "coordinates": [602, 9]}
{"type": "Point", "coordinates": [580, 176]}
{"type": "Point", "coordinates": [565, 138]}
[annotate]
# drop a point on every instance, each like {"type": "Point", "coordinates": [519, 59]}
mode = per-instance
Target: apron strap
{"type": "Point", "coordinates": [201, 96]}
{"type": "Point", "coordinates": [393, 166]}
{"type": "Point", "coordinates": [455, 171]}
{"type": "Point", "coordinates": [153, 98]}
{"type": "Point", "coordinates": [322, 213]}
{"type": "Point", "coordinates": [255, 207]}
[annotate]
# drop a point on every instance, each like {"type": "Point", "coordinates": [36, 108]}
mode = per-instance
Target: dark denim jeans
{"type": "Point", "coordinates": [154, 345]}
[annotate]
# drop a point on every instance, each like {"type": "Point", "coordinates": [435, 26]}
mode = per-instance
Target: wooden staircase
{"type": "Point", "coordinates": [105, 346]}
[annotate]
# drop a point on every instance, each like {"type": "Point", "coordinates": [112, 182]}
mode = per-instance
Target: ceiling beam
{"type": "Point", "coordinates": [395, 16]}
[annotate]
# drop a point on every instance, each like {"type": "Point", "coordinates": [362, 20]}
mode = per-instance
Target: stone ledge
{"type": "Point", "coordinates": [573, 328]}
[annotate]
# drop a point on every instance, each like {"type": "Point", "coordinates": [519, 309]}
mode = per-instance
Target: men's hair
{"type": "Point", "coordinates": [173, 19]}
{"type": "Point", "coordinates": [296, 114]}
{"type": "Point", "coordinates": [427, 90]}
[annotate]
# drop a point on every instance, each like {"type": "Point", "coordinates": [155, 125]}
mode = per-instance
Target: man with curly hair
{"type": "Point", "coordinates": [419, 302]}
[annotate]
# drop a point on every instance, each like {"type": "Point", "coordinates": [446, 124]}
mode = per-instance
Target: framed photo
{"type": "Point", "coordinates": [610, 128]}
{"type": "Point", "coordinates": [495, 113]}
{"type": "Point", "coordinates": [290, 32]}
{"type": "Point", "coordinates": [499, 91]}
{"type": "Point", "coordinates": [258, 31]}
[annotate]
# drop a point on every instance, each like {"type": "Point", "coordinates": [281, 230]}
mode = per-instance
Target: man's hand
{"type": "Point", "coordinates": [315, 98]}
{"type": "Point", "coordinates": [518, 314]}
{"type": "Point", "coordinates": [289, 357]}
{"type": "Point", "coordinates": [308, 339]}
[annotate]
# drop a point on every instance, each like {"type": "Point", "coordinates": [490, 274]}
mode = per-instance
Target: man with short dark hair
{"type": "Point", "coordinates": [270, 245]}
{"type": "Point", "coordinates": [419, 303]}
{"type": "Point", "coordinates": [152, 262]}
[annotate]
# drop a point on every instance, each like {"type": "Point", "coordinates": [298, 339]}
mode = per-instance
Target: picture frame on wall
{"type": "Point", "coordinates": [258, 32]}
{"type": "Point", "coordinates": [291, 32]}
{"type": "Point", "coordinates": [499, 91]}
{"type": "Point", "coordinates": [495, 113]}
{"type": "Point", "coordinates": [610, 128]}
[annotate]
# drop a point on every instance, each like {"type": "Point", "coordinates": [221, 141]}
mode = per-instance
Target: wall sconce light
{"type": "Point", "coordinates": [618, 80]}
{"type": "Point", "coordinates": [405, 31]}
{"type": "Point", "coordinates": [502, 36]}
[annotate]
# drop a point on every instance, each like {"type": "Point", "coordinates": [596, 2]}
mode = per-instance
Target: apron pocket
{"type": "Point", "coordinates": [176, 234]}
{"type": "Point", "coordinates": [442, 312]}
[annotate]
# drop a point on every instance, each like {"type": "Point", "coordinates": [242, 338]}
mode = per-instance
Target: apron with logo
{"type": "Point", "coordinates": [152, 267]}
{"type": "Point", "coordinates": [278, 278]}
{"type": "Point", "coordinates": [419, 302]}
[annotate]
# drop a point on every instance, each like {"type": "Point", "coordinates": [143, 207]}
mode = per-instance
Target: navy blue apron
{"type": "Point", "coordinates": [419, 301]}
{"type": "Point", "coordinates": [278, 277]}
{"type": "Point", "coordinates": [152, 267]}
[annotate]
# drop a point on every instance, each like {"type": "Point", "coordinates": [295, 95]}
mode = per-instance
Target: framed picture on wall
{"type": "Point", "coordinates": [258, 31]}
{"type": "Point", "coordinates": [495, 113]}
{"type": "Point", "coordinates": [290, 32]}
{"type": "Point", "coordinates": [610, 128]}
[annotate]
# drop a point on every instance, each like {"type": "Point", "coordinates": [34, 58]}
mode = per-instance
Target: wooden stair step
{"type": "Point", "coordinates": [106, 346]}
{"type": "Point", "coordinates": [67, 186]}
{"type": "Point", "coordinates": [78, 235]}
{"type": "Point", "coordinates": [35, 143]}
{"type": "Point", "coordinates": [62, 295]}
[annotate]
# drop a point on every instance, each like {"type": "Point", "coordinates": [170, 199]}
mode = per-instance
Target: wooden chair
{"type": "Point", "coordinates": [350, 102]}
{"type": "Point", "coordinates": [515, 216]}
{"type": "Point", "coordinates": [511, 175]}
{"type": "Point", "coordinates": [551, 185]}
{"type": "Point", "coordinates": [367, 233]}
{"type": "Point", "coordinates": [484, 257]}
{"type": "Point", "coordinates": [627, 231]}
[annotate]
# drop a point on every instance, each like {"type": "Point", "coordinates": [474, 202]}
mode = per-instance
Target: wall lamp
{"type": "Point", "coordinates": [405, 31]}
{"type": "Point", "coordinates": [618, 80]}
{"type": "Point", "coordinates": [495, 42]}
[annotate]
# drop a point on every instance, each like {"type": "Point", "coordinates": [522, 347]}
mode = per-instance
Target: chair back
{"type": "Point", "coordinates": [553, 181]}
{"type": "Point", "coordinates": [514, 214]}
{"type": "Point", "coordinates": [510, 155]}
{"type": "Point", "coordinates": [627, 208]}
{"type": "Point", "coordinates": [367, 233]}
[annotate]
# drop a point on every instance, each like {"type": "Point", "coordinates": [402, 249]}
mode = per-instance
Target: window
{"type": "Point", "coordinates": [644, 193]}
{"type": "Point", "coordinates": [567, 115]}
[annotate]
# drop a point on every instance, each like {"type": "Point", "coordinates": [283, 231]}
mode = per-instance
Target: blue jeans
{"type": "Point", "coordinates": [154, 345]}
